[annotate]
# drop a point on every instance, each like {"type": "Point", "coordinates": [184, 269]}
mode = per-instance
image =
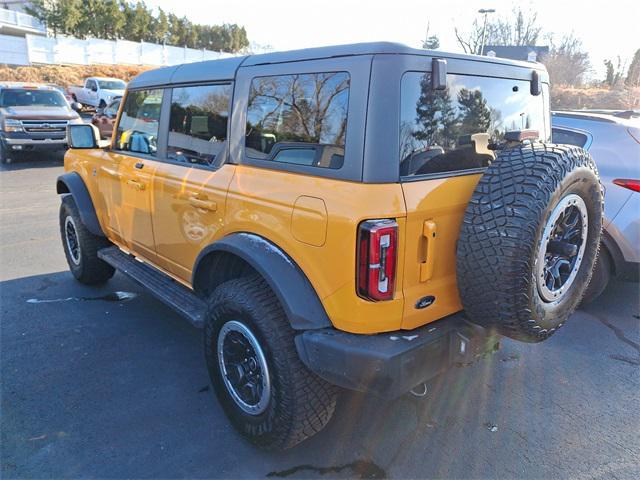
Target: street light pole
{"type": "Point", "coordinates": [485, 12]}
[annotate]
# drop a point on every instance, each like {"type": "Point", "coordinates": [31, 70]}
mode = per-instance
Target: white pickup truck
{"type": "Point", "coordinates": [98, 91]}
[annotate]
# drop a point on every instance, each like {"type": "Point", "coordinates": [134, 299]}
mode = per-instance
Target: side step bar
{"type": "Point", "coordinates": [174, 294]}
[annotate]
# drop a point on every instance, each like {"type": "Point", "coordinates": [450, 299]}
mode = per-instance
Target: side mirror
{"type": "Point", "coordinates": [83, 136]}
{"type": "Point", "coordinates": [94, 89]}
{"type": "Point", "coordinates": [76, 106]}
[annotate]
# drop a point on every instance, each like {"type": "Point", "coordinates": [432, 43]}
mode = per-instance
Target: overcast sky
{"type": "Point", "coordinates": [606, 27]}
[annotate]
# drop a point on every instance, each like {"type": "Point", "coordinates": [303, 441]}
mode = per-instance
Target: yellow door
{"type": "Point", "coordinates": [435, 209]}
{"type": "Point", "coordinates": [188, 211]}
{"type": "Point", "coordinates": [124, 182]}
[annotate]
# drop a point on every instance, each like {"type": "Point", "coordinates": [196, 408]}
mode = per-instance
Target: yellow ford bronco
{"type": "Point", "coordinates": [360, 216]}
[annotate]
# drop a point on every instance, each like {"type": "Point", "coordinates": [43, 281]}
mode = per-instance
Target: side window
{"type": "Point", "coordinates": [453, 130]}
{"type": "Point", "coordinates": [138, 126]}
{"type": "Point", "coordinates": [198, 124]}
{"type": "Point", "coordinates": [91, 84]}
{"type": "Point", "coordinates": [299, 119]}
{"type": "Point", "coordinates": [568, 137]}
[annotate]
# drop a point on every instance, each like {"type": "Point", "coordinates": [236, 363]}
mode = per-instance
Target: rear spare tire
{"type": "Point", "coordinates": [529, 239]}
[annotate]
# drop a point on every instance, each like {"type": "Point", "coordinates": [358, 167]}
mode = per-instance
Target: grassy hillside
{"type": "Point", "coordinates": [564, 98]}
{"type": "Point", "coordinates": [67, 75]}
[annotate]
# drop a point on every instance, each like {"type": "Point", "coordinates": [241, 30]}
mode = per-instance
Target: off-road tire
{"type": "Point", "coordinates": [102, 104]}
{"type": "Point", "coordinates": [600, 277]}
{"type": "Point", "coordinates": [502, 234]}
{"type": "Point", "coordinates": [90, 269]}
{"type": "Point", "coordinates": [300, 404]}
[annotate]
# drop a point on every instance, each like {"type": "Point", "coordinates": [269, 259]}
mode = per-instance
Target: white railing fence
{"type": "Point", "coordinates": [34, 49]}
{"type": "Point", "coordinates": [19, 19]}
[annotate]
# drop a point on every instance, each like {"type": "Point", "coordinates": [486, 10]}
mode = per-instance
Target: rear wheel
{"type": "Point", "coordinates": [81, 246]}
{"type": "Point", "coordinates": [529, 240]}
{"type": "Point", "coordinates": [267, 393]}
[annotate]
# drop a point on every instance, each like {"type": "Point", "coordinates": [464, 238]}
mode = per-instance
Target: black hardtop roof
{"type": "Point", "coordinates": [225, 69]}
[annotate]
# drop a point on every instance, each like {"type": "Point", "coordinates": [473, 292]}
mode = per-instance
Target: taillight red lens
{"type": "Point", "coordinates": [377, 250]}
{"type": "Point", "coordinates": [628, 183]}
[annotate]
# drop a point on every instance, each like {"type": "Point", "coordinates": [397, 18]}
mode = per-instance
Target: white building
{"type": "Point", "coordinates": [14, 21]}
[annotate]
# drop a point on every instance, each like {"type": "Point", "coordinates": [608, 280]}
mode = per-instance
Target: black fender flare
{"type": "Point", "coordinates": [72, 184]}
{"type": "Point", "coordinates": [290, 284]}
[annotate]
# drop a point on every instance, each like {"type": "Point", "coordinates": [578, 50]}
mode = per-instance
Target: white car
{"type": "Point", "coordinates": [98, 92]}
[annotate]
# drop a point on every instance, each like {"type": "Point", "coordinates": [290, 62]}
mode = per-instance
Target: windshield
{"type": "Point", "coordinates": [112, 84]}
{"type": "Point", "coordinates": [20, 97]}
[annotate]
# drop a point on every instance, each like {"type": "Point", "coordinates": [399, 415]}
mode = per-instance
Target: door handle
{"type": "Point", "coordinates": [203, 204]}
{"type": "Point", "coordinates": [429, 234]}
{"type": "Point", "coordinates": [136, 184]}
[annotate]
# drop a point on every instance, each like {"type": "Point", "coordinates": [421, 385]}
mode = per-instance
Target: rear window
{"type": "Point", "coordinates": [19, 97]}
{"type": "Point", "coordinates": [112, 84]}
{"type": "Point", "coordinates": [568, 137]}
{"type": "Point", "coordinates": [451, 130]}
{"type": "Point", "coordinates": [198, 124]}
{"type": "Point", "coordinates": [299, 119]}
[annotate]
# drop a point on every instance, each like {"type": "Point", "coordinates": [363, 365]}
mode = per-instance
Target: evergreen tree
{"type": "Point", "coordinates": [633, 74]}
{"type": "Point", "coordinates": [122, 19]}
{"type": "Point", "coordinates": [475, 114]}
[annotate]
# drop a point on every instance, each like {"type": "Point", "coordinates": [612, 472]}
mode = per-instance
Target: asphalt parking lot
{"type": "Point", "coordinates": [93, 386]}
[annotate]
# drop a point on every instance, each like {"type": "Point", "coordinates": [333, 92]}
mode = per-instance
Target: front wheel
{"type": "Point", "coordinates": [267, 393]}
{"type": "Point", "coordinates": [81, 246]}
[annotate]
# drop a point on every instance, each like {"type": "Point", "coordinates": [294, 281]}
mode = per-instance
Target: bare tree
{"type": "Point", "coordinates": [520, 28]}
{"type": "Point", "coordinates": [567, 62]}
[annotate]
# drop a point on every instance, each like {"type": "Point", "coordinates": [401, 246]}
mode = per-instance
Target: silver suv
{"type": "Point", "coordinates": [613, 139]}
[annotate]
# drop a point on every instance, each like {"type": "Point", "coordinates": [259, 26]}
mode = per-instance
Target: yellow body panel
{"type": "Point", "coordinates": [435, 209]}
{"type": "Point", "coordinates": [262, 202]}
{"type": "Point", "coordinates": [167, 213]}
{"type": "Point", "coordinates": [188, 213]}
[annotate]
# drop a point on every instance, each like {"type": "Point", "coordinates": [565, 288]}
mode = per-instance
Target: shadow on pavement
{"type": "Point", "coordinates": [95, 384]}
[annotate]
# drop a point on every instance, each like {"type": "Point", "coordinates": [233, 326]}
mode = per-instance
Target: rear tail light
{"type": "Point", "coordinates": [377, 250]}
{"type": "Point", "coordinates": [628, 183]}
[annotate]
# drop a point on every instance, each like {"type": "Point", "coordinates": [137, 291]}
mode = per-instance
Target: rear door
{"type": "Point", "coordinates": [191, 176]}
{"type": "Point", "coordinates": [445, 140]}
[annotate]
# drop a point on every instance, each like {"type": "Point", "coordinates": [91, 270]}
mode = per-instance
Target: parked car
{"type": "Point", "coordinates": [274, 201]}
{"type": "Point", "coordinates": [613, 139]}
{"type": "Point", "coordinates": [33, 117]}
{"type": "Point", "coordinates": [105, 118]}
{"type": "Point", "coordinates": [98, 92]}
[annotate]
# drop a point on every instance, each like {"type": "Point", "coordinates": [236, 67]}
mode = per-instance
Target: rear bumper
{"type": "Point", "coordinates": [391, 364]}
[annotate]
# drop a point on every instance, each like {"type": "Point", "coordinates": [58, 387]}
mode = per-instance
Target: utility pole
{"type": "Point", "coordinates": [485, 12]}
